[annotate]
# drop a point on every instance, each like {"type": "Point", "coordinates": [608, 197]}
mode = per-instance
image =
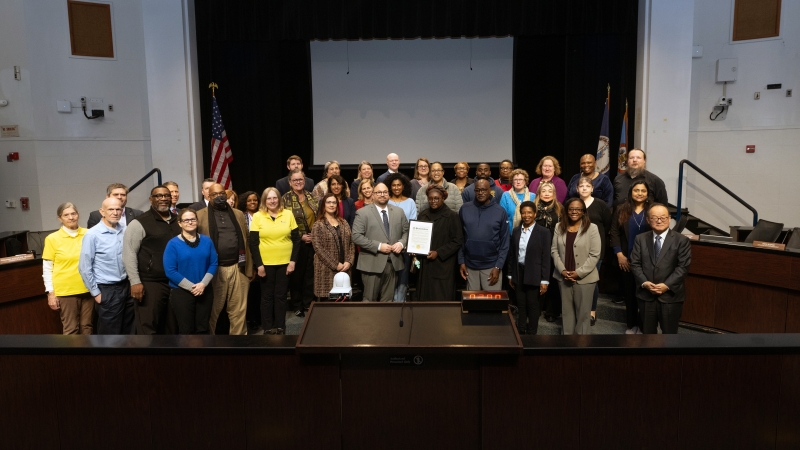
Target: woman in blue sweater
{"type": "Point", "coordinates": [190, 262]}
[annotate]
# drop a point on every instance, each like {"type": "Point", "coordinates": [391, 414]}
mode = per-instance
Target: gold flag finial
{"type": "Point", "coordinates": [213, 86]}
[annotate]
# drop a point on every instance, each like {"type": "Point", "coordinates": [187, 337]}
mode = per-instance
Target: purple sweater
{"type": "Point", "coordinates": [561, 188]}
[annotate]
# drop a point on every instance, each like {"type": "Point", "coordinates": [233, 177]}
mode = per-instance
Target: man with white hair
{"type": "Point", "coordinates": [393, 163]}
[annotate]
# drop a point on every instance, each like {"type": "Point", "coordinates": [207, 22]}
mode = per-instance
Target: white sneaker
{"type": "Point", "coordinates": [631, 330]}
{"type": "Point", "coordinates": [638, 331]}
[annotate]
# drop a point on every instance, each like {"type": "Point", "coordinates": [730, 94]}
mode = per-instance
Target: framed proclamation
{"type": "Point", "coordinates": [419, 237]}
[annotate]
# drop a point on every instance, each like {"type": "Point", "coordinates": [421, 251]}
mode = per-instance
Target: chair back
{"type": "Point", "coordinates": [765, 231]}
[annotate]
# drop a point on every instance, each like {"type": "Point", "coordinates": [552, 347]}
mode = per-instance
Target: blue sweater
{"type": "Point", "coordinates": [468, 195]}
{"type": "Point", "coordinates": [184, 262]}
{"type": "Point", "coordinates": [603, 189]}
{"type": "Point", "coordinates": [486, 236]}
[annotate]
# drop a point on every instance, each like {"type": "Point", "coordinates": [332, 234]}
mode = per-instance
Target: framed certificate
{"type": "Point", "coordinates": [419, 237]}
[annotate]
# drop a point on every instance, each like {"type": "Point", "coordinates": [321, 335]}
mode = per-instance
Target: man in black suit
{"type": "Point", "coordinates": [197, 206]}
{"type": "Point", "coordinates": [120, 192]}
{"type": "Point", "coordinates": [283, 185]}
{"type": "Point", "coordinates": [659, 262]}
{"type": "Point", "coordinates": [636, 169]}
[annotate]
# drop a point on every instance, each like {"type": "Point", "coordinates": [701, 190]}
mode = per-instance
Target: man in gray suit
{"type": "Point", "coordinates": [659, 262]}
{"type": "Point", "coordinates": [381, 230]}
{"type": "Point", "coordinates": [120, 192]}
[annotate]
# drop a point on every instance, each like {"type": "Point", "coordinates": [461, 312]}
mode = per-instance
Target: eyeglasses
{"type": "Point", "coordinates": [437, 170]}
{"type": "Point", "coordinates": [298, 180]}
{"type": "Point", "coordinates": [188, 220]}
{"type": "Point", "coordinates": [575, 210]}
{"type": "Point", "coordinates": [161, 196]}
{"type": "Point", "coordinates": [422, 166]}
{"type": "Point", "coordinates": [660, 219]}
{"type": "Point", "coordinates": [331, 202]}
{"type": "Point", "coordinates": [381, 192]}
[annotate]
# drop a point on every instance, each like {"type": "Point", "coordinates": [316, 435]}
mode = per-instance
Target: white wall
{"type": "Point", "coordinates": [767, 178]}
{"type": "Point", "coordinates": [663, 86]}
{"type": "Point", "coordinates": [65, 157]}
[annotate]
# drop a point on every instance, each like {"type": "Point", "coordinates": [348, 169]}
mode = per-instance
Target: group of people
{"type": "Point", "coordinates": [174, 271]}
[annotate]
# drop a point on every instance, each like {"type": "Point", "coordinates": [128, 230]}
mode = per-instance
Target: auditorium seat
{"type": "Point", "coordinates": [765, 231]}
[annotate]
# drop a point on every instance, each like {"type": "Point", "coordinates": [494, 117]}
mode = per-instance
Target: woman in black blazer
{"type": "Point", "coordinates": [529, 272]}
{"type": "Point", "coordinates": [599, 214]}
{"type": "Point", "coordinates": [630, 220]}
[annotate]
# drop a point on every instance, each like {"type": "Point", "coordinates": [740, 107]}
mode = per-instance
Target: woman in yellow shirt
{"type": "Point", "coordinates": [274, 242]}
{"type": "Point", "coordinates": [66, 292]}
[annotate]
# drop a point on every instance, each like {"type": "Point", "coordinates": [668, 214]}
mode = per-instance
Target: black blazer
{"type": "Point", "coordinates": [537, 257]}
{"type": "Point", "coordinates": [349, 208]}
{"type": "Point", "coordinates": [197, 206]}
{"type": "Point", "coordinates": [670, 269]}
{"type": "Point", "coordinates": [95, 217]}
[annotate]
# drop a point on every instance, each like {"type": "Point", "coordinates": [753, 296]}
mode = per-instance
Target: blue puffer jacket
{"type": "Point", "coordinates": [486, 236]}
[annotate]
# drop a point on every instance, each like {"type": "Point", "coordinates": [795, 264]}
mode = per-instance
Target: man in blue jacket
{"type": "Point", "coordinates": [485, 240]}
{"type": "Point", "coordinates": [483, 170]}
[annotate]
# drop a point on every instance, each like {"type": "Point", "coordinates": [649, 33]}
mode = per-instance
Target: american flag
{"type": "Point", "coordinates": [221, 154]}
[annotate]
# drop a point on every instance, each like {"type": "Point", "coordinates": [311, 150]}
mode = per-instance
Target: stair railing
{"type": "Point", "coordinates": [158, 171]}
{"type": "Point", "coordinates": [716, 183]}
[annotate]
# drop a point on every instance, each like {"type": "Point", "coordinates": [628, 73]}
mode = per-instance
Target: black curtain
{"type": "Point", "coordinates": [565, 53]}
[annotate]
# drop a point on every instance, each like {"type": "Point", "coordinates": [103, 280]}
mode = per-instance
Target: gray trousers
{"type": "Point", "coordinates": [576, 306]}
{"type": "Point", "coordinates": [379, 286]}
{"type": "Point", "coordinates": [478, 280]}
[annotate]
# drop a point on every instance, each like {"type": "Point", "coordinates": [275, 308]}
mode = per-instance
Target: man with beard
{"type": "Point", "coordinates": [637, 170]}
{"type": "Point", "coordinates": [145, 240]}
{"type": "Point", "coordinates": [284, 185]}
{"type": "Point", "coordinates": [228, 231]}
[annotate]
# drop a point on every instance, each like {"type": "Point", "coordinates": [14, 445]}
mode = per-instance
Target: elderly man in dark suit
{"type": "Point", "coordinates": [381, 230]}
{"type": "Point", "coordinates": [120, 192]}
{"type": "Point", "coordinates": [659, 262]}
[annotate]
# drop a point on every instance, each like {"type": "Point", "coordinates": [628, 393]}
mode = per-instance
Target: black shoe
{"type": "Point", "coordinates": [593, 321]}
{"type": "Point", "coordinates": [618, 300]}
{"type": "Point", "coordinates": [522, 331]}
{"type": "Point", "coordinates": [272, 331]}
{"type": "Point", "coordinates": [300, 313]}
{"type": "Point", "coordinates": [280, 331]}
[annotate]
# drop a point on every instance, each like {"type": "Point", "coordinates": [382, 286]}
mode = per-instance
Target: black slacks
{"type": "Point", "coordinates": [528, 307]}
{"type": "Point", "coordinates": [656, 313]}
{"type": "Point", "coordinates": [301, 281]}
{"type": "Point", "coordinates": [631, 303]}
{"type": "Point", "coordinates": [115, 310]}
{"type": "Point", "coordinates": [192, 313]}
{"type": "Point", "coordinates": [151, 312]}
{"type": "Point", "coordinates": [273, 297]}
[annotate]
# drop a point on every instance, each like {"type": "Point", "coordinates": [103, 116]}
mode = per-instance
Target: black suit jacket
{"type": "Point", "coordinates": [537, 257]}
{"type": "Point", "coordinates": [197, 206]}
{"type": "Point", "coordinates": [670, 269]}
{"type": "Point", "coordinates": [95, 217]}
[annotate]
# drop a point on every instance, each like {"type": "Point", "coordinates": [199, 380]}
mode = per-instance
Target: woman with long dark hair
{"type": "Point", "coordinates": [347, 207]}
{"type": "Point", "coordinates": [333, 249]}
{"type": "Point", "coordinates": [399, 192]}
{"type": "Point", "coordinates": [575, 251]}
{"type": "Point", "coordinates": [630, 220]}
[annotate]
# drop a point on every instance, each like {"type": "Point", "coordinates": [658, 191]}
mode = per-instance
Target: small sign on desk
{"type": "Point", "coordinates": [770, 245]}
{"type": "Point", "coordinates": [17, 258]}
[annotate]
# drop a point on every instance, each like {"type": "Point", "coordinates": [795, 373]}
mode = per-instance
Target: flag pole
{"type": "Point", "coordinates": [213, 86]}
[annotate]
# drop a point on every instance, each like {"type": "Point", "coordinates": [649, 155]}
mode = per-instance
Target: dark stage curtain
{"type": "Point", "coordinates": [566, 52]}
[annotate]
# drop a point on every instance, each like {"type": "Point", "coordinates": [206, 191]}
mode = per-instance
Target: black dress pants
{"type": "Point", "coordinates": [192, 313]}
{"type": "Point", "coordinates": [273, 297]}
{"type": "Point", "coordinates": [151, 311]}
{"type": "Point", "coordinates": [528, 308]}
{"type": "Point", "coordinates": [631, 303]}
{"type": "Point", "coordinates": [656, 313]}
{"type": "Point", "coordinates": [115, 310]}
{"type": "Point", "coordinates": [301, 281]}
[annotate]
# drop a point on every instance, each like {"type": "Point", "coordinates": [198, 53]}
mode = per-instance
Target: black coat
{"type": "Point", "coordinates": [600, 214]}
{"type": "Point", "coordinates": [437, 280]}
{"type": "Point", "coordinates": [537, 257]}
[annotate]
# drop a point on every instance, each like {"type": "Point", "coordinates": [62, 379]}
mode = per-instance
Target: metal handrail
{"type": "Point", "coordinates": [716, 183]}
{"type": "Point", "coordinates": [142, 180]}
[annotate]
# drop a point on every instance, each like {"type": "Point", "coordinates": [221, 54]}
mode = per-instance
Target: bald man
{"type": "Point", "coordinates": [393, 163]}
{"type": "Point", "coordinates": [228, 231]}
{"type": "Point", "coordinates": [102, 271]}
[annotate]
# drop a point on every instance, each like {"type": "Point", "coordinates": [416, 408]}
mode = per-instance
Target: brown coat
{"type": "Point", "coordinates": [326, 253]}
{"type": "Point", "coordinates": [202, 228]}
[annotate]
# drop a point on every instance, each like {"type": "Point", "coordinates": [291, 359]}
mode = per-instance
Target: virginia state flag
{"type": "Point", "coordinates": [602, 145]}
{"type": "Point", "coordinates": [622, 158]}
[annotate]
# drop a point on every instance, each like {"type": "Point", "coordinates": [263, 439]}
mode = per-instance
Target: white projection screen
{"type": "Point", "coordinates": [414, 98]}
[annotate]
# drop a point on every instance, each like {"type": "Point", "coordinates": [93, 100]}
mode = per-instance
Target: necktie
{"type": "Point", "coordinates": [385, 222]}
{"type": "Point", "coordinates": [658, 246]}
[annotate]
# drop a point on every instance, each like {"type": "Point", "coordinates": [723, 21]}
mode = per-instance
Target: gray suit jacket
{"type": "Point", "coordinates": [95, 217]}
{"type": "Point", "coordinates": [369, 233]}
{"type": "Point", "coordinates": [670, 269]}
{"type": "Point", "coordinates": [586, 249]}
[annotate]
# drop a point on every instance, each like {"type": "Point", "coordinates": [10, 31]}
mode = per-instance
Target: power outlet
{"type": "Point", "coordinates": [757, 96]}
{"type": "Point", "coordinates": [788, 92]}
{"type": "Point", "coordinates": [110, 107]}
